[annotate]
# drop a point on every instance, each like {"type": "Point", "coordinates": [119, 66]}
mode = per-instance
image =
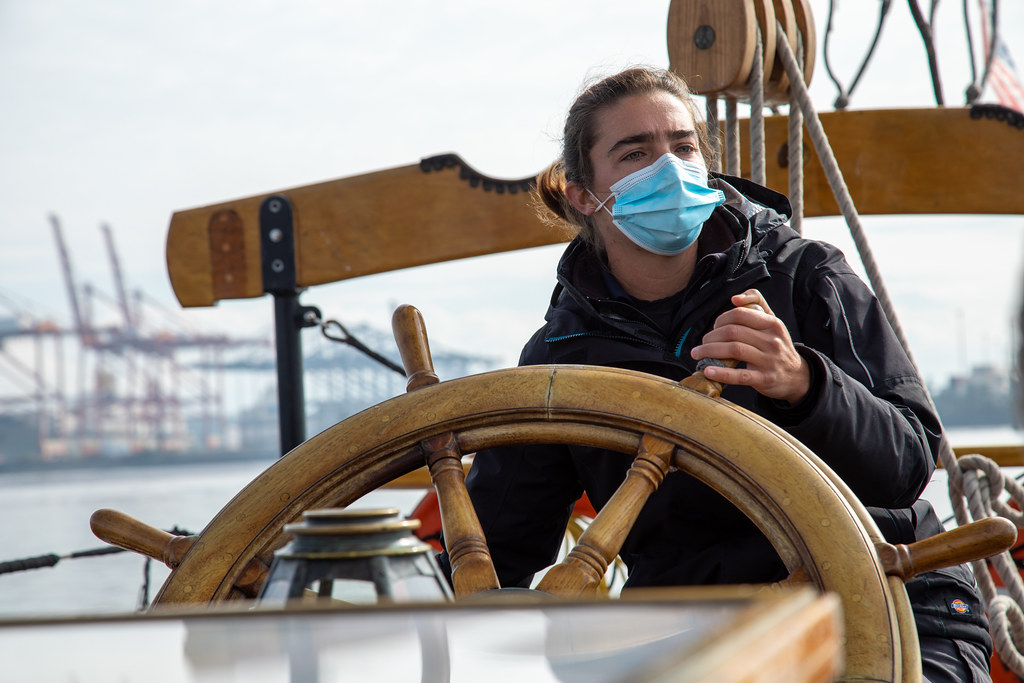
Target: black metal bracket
{"type": "Point", "coordinates": [277, 249]}
{"type": "Point", "coordinates": [277, 245]}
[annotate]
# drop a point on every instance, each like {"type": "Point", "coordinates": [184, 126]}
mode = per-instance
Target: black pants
{"type": "Point", "coordinates": [953, 661]}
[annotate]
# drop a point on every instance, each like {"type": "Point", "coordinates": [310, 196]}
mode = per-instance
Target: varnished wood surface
{"type": "Point", "coordinates": [350, 227]}
{"type": "Point", "coordinates": [722, 57]}
{"type": "Point", "coordinates": [1002, 455]}
{"type": "Point", "coordinates": [776, 89]}
{"type": "Point", "coordinates": [411, 337]}
{"type": "Point", "coordinates": [895, 162]}
{"type": "Point", "coordinates": [583, 568]}
{"type": "Point", "coordinates": [963, 544]}
{"type": "Point", "coordinates": [764, 10]}
{"type": "Point", "coordinates": [912, 175]}
{"type": "Point", "coordinates": [799, 642]}
{"type": "Point", "coordinates": [472, 567]}
{"type": "Point", "coordinates": [116, 528]}
{"type": "Point", "coordinates": [805, 25]}
{"type": "Point", "coordinates": [124, 531]}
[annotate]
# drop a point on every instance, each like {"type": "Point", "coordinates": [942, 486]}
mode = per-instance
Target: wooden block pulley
{"type": "Point", "coordinates": [711, 43]}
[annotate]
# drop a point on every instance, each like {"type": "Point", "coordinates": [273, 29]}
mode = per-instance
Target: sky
{"type": "Point", "coordinates": [122, 113]}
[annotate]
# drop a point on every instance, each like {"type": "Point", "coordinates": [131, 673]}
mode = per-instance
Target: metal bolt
{"type": "Point", "coordinates": [275, 235]}
{"type": "Point", "coordinates": [704, 37]}
{"type": "Point", "coordinates": [277, 265]}
{"type": "Point", "coordinates": [274, 205]}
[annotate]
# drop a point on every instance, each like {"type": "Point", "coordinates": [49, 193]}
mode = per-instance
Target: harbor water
{"type": "Point", "coordinates": [48, 512]}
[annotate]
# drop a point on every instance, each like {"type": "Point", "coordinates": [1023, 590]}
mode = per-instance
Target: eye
{"type": "Point", "coordinates": [686, 149]}
{"type": "Point", "coordinates": [635, 155]}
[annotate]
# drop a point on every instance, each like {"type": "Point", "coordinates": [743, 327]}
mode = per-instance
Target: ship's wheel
{"type": "Point", "coordinates": [815, 523]}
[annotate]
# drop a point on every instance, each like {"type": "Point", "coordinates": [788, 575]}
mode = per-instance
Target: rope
{"type": "Point", "coordinates": [714, 135]}
{"type": "Point", "coordinates": [51, 559]}
{"type": "Point", "coordinates": [975, 482]}
{"type": "Point", "coordinates": [982, 494]}
{"type": "Point", "coordinates": [973, 91]}
{"type": "Point", "coordinates": [345, 337]}
{"type": "Point", "coordinates": [835, 180]}
{"type": "Point", "coordinates": [732, 138]}
{"type": "Point", "coordinates": [757, 168]}
{"type": "Point", "coordinates": [795, 161]}
{"type": "Point", "coordinates": [143, 600]}
{"type": "Point", "coordinates": [993, 40]}
{"type": "Point", "coordinates": [925, 29]}
{"type": "Point", "coordinates": [843, 96]}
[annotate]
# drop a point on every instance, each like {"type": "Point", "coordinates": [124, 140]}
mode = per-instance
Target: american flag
{"type": "Point", "coordinates": [1002, 75]}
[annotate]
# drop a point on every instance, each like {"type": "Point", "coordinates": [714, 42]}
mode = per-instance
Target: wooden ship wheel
{"type": "Point", "coordinates": [817, 526]}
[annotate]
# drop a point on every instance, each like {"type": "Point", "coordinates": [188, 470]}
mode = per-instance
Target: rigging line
{"type": "Point", "coordinates": [345, 337]}
{"type": "Point", "coordinates": [843, 99]}
{"type": "Point", "coordinates": [795, 160]}
{"type": "Point", "coordinates": [989, 41]}
{"type": "Point", "coordinates": [964, 481]}
{"type": "Point", "coordinates": [714, 132]}
{"type": "Point", "coordinates": [973, 91]}
{"type": "Point", "coordinates": [732, 137]}
{"type": "Point", "coordinates": [925, 29]}
{"type": "Point", "coordinates": [842, 196]}
{"type": "Point", "coordinates": [51, 559]}
{"type": "Point", "coordinates": [883, 13]}
{"type": "Point", "coordinates": [839, 189]}
{"type": "Point", "coordinates": [757, 83]}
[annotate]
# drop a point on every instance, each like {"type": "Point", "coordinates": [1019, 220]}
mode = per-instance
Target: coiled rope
{"type": "Point", "coordinates": [976, 483]}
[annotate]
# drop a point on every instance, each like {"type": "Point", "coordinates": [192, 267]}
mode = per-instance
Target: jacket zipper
{"type": "Point", "coordinates": [679, 344]}
{"type": "Point", "coordinates": [623, 337]}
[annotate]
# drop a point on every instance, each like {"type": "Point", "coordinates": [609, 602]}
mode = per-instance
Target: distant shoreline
{"type": "Point", "coordinates": [135, 461]}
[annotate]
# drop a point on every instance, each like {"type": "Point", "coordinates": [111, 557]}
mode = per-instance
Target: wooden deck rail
{"type": "Point", "coordinates": [442, 209]}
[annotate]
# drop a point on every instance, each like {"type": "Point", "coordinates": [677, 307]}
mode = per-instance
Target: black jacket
{"type": "Point", "coordinates": [867, 414]}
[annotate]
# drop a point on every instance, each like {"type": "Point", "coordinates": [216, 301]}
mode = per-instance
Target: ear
{"type": "Point", "coordinates": [580, 199]}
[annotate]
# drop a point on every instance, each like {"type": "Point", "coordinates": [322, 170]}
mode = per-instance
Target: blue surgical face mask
{"type": "Point", "coordinates": [662, 207]}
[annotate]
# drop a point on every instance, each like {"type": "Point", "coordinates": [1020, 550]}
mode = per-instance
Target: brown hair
{"type": "Point", "coordinates": [580, 132]}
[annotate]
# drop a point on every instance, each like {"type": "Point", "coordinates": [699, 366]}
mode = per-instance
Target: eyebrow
{"type": "Point", "coordinates": [683, 134]}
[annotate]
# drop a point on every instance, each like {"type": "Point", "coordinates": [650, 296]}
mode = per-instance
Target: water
{"type": "Point", "coordinates": [49, 512]}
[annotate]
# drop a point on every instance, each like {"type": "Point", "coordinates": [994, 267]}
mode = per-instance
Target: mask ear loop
{"type": "Point", "coordinates": [601, 204]}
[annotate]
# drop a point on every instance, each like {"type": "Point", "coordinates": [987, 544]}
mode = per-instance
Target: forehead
{"type": "Point", "coordinates": [657, 112]}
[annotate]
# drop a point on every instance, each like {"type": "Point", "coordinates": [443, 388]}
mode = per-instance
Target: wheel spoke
{"type": "Point", "coordinates": [472, 567]}
{"type": "Point", "coordinates": [583, 568]}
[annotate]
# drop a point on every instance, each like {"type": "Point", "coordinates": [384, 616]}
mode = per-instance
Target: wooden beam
{"type": "Point", "coordinates": [438, 210]}
{"type": "Point", "coordinates": [896, 161]}
{"type": "Point", "coordinates": [905, 161]}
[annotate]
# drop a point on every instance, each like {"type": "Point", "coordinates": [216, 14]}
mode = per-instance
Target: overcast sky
{"type": "Point", "coordinates": [125, 112]}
